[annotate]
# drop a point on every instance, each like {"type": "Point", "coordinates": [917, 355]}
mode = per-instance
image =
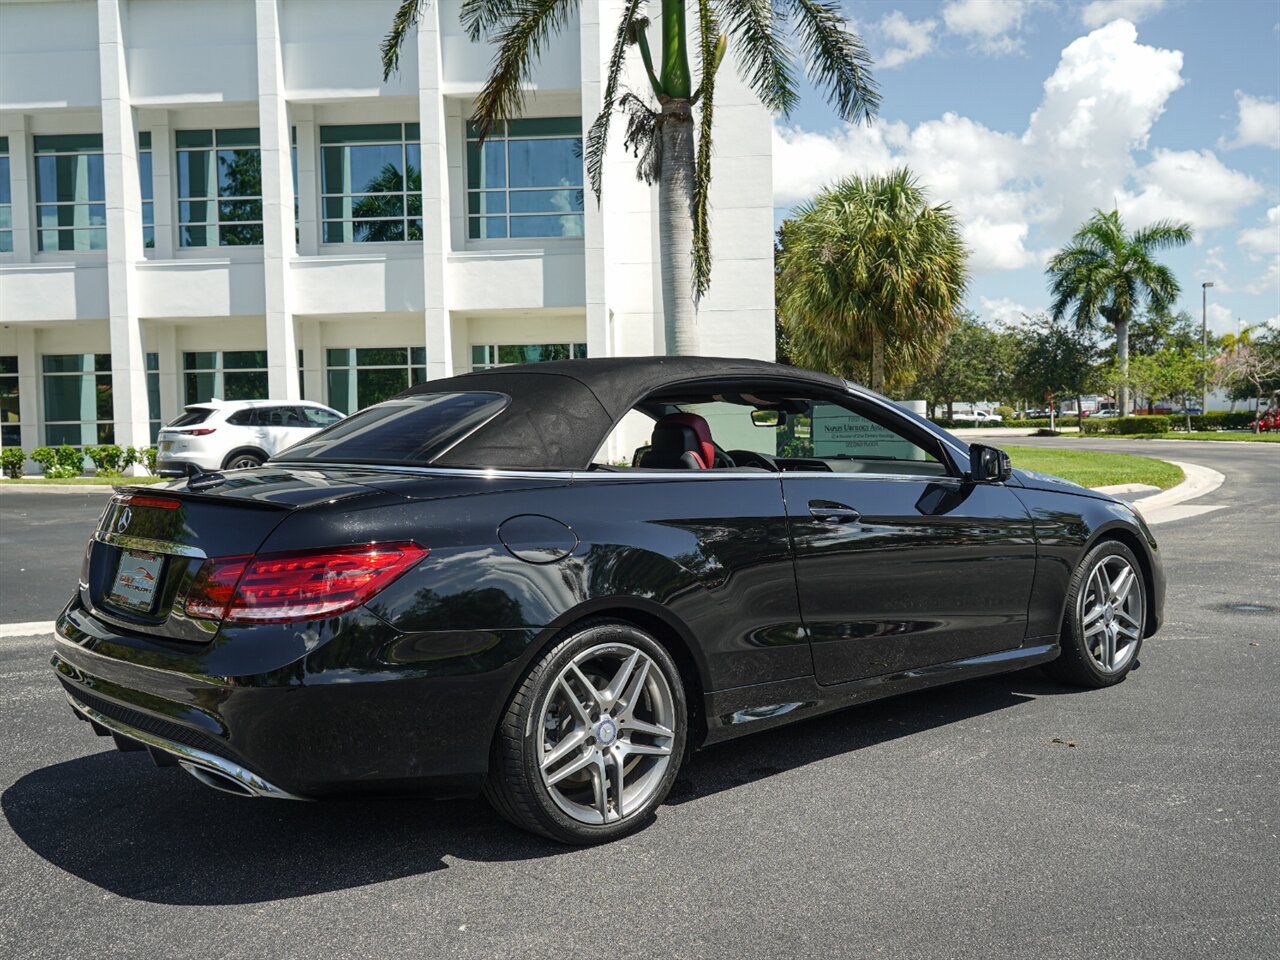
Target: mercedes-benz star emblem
{"type": "Point", "coordinates": [123, 523]}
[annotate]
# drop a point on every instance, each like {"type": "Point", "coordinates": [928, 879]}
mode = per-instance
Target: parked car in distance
{"type": "Point", "coordinates": [234, 434]}
{"type": "Point", "coordinates": [1107, 414]}
{"type": "Point", "coordinates": [978, 417]}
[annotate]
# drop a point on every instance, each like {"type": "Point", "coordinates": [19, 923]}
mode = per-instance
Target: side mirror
{"type": "Point", "coordinates": [768, 418]}
{"type": "Point", "coordinates": [988, 464]}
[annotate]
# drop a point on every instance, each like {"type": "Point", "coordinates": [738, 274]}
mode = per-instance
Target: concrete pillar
{"type": "Point", "coordinates": [278, 248]}
{"type": "Point", "coordinates": [28, 391]}
{"type": "Point", "coordinates": [124, 231]}
{"type": "Point", "coordinates": [163, 185]}
{"type": "Point", "coordinates": [312, 334]}
{"type": "Point", "coordinates": [308, 186]}
{"type": "Point", "coordinates": [21, 183]}
{"type": "Point", "coordinates": [435, 198]}
{"type": "Point", "coordinates": [162, 339]}
{"type": "Point", "coordinates": [594, 53]}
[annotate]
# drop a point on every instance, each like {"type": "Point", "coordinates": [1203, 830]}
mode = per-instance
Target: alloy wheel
{"type": "Point", "coordinates": [1110, 615]}
{"type": "Point", "coordinates": [607, 732]}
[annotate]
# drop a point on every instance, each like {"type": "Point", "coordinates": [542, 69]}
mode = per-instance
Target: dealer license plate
{"type": "Point", "coordinates": [136, 580]}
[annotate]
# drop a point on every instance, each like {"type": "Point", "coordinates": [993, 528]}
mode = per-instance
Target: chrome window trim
{"type": "Point", "coordinates": [150, 546]}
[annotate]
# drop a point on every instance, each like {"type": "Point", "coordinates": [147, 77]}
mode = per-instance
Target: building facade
{"type": "Point", "coordinates": [222, 198]}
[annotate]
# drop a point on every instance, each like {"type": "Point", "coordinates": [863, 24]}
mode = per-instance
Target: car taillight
{"type": "Point", "coordinates": [297, 586]}
{"type": "Point", "coordinates": [201, 431]}
{"type": "Point", "coordinates": [143, 500]}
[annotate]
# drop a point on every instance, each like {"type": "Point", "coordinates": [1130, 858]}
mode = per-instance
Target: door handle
{"type": "Point", "coordinates": [828, 511]}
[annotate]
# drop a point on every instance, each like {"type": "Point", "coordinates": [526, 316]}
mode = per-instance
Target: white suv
{"type": "Point", "coordinates": [231, 434]}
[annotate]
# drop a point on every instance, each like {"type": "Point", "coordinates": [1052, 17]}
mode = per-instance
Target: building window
{"type": "Point", "coordinates": [153, 394]}
{"type": "Point", "coordinates": [224, 375]}
{"type": "Point", "coordinates": [77, 399]}
{"type": "Point", "coordinates": [359, 377]}
{"type": "Point", "coordinates": [71, 210]}
{"type": "Point", "coordinates": [490, 355]}
{"type": "Point", "coordinates": [10, 410]}
{"type": "Point", "coordinates": [371, 183]}
{"type": "Point", "coordinates": [145, 183]}
{"type": "Point", "coordinates": [6, 200]}
{"type": "Point", "coordinates": [219, 188]}
{"type": "Point", "coordinates": [525, 180]}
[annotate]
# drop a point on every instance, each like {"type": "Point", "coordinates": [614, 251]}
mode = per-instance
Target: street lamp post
{"type": "Point", "coordinates": [1204, 343]}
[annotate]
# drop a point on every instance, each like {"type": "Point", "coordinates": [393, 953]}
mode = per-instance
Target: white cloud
{"type": "Point", "coordinates": [1220, 318]}
{"type": "Point", "coordinates": [1002, 310]}
{"type": "Point", "coordinates": [1257, 122]}
{"type": "Point", "coordinates": [991, 24]}
{"type": "Point", "coordinates": [1020, 194]}
{"type": "Point", "coordinates": [1270, 279]}
{"type": "Point", "coordinates": [911, 39]}
{"type": "Point", "coordinates": [1097, 12]}
{"type": "Point", "coordinates": [1189, 185]}
{"type": "Point", "coordinates": [1262, 241]}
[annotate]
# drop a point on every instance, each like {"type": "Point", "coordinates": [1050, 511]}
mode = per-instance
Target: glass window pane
{"type": "Point", "coordinates": [6, 241]}
{"type": "Point", "coordinates": [195, 173]}
{"type": "Point", "coordinates": [193, 236]}
{"type": "Point", "coordinates": [374, 386]}
{"type": "Point", "coordinates": [378, 231]}
{"type": "Point", "coordinates": [490, 201]}
{"type": "Point", "coordinates": [342, 389]}
{"type": "Point", "coordinates": [240, 235]}
{"type": "Point", "coordinates": [363, 133]}
{"type": "Point", "coordinates": [338, 231]}
{"type": "Point", "coordinates": [237, 210]}
{"type": "Point", "coordinates": [8, 364]}
{"type": "Point", "coordinates": [10, 436]}
{"type": "Point", "coordinates": [566, 226]}
{"type": "Point", "coordinates": [417, 355]}
{"type": "Point", "coordinates": [203, 360]}
{"type": "Point", "coordinates": [238, 137]}
{"type": "Point", "coordinates": [6, 196]}
{"type": "Point", "coordinates": [70, 398]}
{"type": "Point", "coordinates": [487, 164]}
{"type": "Point", "coordinates": [546, 163]}
{"type": "Point", "coordinates": [144, 174]}
{"type": "Point", "coordinates": [382, 356]}
{"type": "Point", "coordinates": [339, 358]}
{"type": "Point", "coordinates": [487, 228]}
{"type": "Point", "coordinates": [239, 173]}
{"type": "Point", "coordinates": [193, 138]}
{"type": "Point", "coordinates": [244, 359]}
{"type": "Point", "coordinates": [545, 201]}
{"type": "Point", "coordinates": [372, 169]}
{"type": "Point", "coordinates": [545, 127]}
{"type": "Point", "coordinates": [102, 393]}
{"type": "Point", "coordinates": [378, 205]}
{"type": "Point", "coordinates": [245, 386]}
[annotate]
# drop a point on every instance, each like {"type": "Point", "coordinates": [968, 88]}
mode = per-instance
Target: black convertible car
{"type": "Point", "coordinates": [551, 582]}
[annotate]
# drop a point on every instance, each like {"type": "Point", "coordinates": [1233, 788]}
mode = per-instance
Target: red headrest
{"type": "Point", "coordinates": [706, 451]}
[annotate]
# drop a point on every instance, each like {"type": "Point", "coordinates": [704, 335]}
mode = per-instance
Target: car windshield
{"type": "Point", "coordinates": [411, 430]}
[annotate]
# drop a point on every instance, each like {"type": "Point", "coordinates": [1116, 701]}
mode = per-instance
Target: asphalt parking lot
{"type": "Point", "coordinates": [1000, 818]}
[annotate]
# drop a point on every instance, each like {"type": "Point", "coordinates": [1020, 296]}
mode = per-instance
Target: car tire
{"type": "Point", "coordinates": [243, 460]}
{"type": "Point", "coordinates": [595, 772]}
{"type": "Point", "coordinates": [1105, 618]}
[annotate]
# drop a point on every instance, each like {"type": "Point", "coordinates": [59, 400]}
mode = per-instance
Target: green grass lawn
{"type": "Point", "coordinates": [1222, 435]}
{"type": "Point", "coordinates": [82, 481]}
{"type": "Point", "coordinates": [1091, 469]}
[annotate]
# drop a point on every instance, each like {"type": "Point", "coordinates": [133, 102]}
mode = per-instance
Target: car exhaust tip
{"type": "Point", "coordinates": [218, 781]}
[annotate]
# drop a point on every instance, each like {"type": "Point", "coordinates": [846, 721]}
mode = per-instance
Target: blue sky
{"type": "Point", "coordinates": [1026, 114]}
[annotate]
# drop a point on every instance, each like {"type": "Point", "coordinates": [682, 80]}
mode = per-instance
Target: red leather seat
{"type": "Point", "coordinates": [681, 441]}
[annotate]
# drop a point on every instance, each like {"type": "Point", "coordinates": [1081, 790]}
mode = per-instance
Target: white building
{"type": "Point", "coordinates": [222, 198]}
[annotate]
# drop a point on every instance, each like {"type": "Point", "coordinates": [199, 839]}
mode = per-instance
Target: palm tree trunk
{"type": "Point", "coordinates": [1122, 355]}
{"type": "Point", "coordinates": [877, 362]}
{"type": "Point", "coordinates": [675, 229]}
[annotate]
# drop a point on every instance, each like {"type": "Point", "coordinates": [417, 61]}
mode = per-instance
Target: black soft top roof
{"type": "Point", "coordinates": [562, 410]}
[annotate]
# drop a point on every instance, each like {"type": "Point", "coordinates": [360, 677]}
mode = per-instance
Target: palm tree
{"type": "Point", "coordinates": [663, 137]}
{"type": "Point", "coordinates": [869, 268]}
{"type": "Point", "coordinates": [1109, 274]}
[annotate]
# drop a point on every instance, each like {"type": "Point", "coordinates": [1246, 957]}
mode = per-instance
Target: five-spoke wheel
{"type": "Point", "coordinates": [592, 740]}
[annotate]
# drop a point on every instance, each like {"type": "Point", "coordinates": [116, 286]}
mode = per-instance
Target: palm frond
{"type": "Point", "coordinates": [406, 18]}
{"type": "Point", "coordinates": [521, 34]}
{"type": "Point", "coordinates": [1163, 235]}
{"type": "Point", "coordinates": [478, 17]}
{"type": "Point", "coordinates": [838, 61]}
{"type": "Point", "coordinates": [710, 50]}
{"type": "Point", "coordinates": [643, 137]}
{"type": "Point", "coordinates": [598, 135]}
{"type": "Point", "coordinates": [764, 60]}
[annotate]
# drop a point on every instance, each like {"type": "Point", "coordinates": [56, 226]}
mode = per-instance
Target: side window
{"type": "Point", "coordinates": [846, 441]}
{"type": "Point", "coordinates": [273, 416]}
{"type": "Point", "coordinates": [315, 417]}
{"type": "Point", "coordinates": [243, 418]}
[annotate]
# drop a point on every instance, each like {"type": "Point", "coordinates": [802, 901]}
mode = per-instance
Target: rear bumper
{"type": "Point", "coordinates": [292, 710]}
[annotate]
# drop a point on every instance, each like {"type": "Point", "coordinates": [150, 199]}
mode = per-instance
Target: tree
{"type": "Point", "coordinates": [968, 366]}
{"type": "Point", "coordinates": [1175, 373]}
{"type": "Point", "coordinates": [1108, 274]}
{"type": "Point", "coordinates": [1055, 358]}
{"type": "Point", "coordinates": [870, 271]}
{"type": "Point", "coordinates": [669, 151]}
{"type": "Point", "coordinates": [1250, 367]}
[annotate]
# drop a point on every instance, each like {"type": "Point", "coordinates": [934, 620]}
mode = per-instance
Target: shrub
{"type": "Point", "coordinates": [11, 461]}
{"type": "Point", "coordinates": [45, 457]}
{"type": "Point", "coordinates": [147, 457]}
{"type": "Point", "coordinates": [1216, 420]}
{"type": "Point", "coordinates": [128, 457]}
{"type": "Point", "coordinates": [107, 459]}
{"type": "Point", "coordinates": [1003, 411]}
{"type": "Point", "coordinates": [1128, 426]}
{"type": "Point", "coordinates": [69, 459]}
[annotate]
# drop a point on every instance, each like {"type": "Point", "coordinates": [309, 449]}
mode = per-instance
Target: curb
{"type": "Point", "coordinates": [1167, 506]}
{"type": "Point", "coordinates": [60, 487]}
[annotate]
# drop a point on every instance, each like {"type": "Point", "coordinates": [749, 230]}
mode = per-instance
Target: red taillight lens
{"type": "Point", "coordinates": [201, 431]}
{"type": "Point", "coordinates": [301, 586]}
{"type": "Point", "coordinates": [214, 587]}
{"type": "Point", "coordinates": [143, 500]}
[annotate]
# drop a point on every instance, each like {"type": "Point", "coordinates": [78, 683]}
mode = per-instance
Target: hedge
{"type": "Point", "coordinates": [961, 424]}
{"type": "Point", "coordinates": [1128, 425]}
